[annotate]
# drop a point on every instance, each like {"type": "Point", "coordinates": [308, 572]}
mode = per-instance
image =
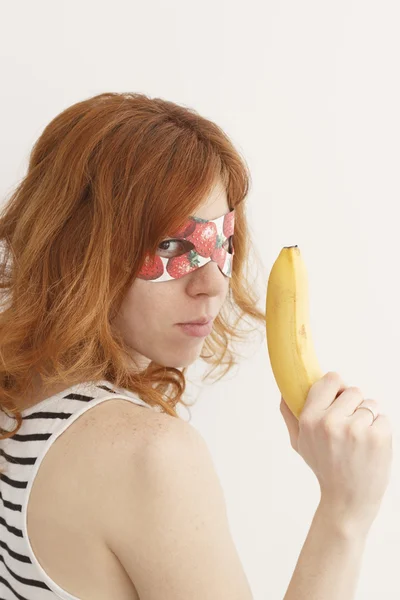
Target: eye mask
{"type": "Point", "coordinates": [197, 243]}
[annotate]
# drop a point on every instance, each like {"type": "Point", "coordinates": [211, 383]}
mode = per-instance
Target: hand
{"type": "Point", "coordinates": [292, 424]}
{"type": "Point", "coordinates": [350, 454]}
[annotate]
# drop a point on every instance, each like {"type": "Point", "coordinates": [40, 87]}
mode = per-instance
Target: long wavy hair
{"type": "Point", "coordinates": [107, 179]}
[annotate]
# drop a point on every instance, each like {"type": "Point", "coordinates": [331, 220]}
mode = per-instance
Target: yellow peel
{"type": "Point", "coordinates": [290, 347]}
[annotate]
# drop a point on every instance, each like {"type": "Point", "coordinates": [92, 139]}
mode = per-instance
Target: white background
{"type": "Point", "coordinates": [309, 93]}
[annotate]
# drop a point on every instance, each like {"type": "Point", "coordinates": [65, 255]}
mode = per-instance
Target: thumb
{"type": "Point", "coordinates": [291, 423]}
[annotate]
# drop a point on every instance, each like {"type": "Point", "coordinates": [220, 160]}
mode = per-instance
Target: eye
{"type": "Point", "coordinates": [170, 248]}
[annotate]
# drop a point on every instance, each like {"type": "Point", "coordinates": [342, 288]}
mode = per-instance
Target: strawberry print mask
{"type": "Point", "coordinates": [198, 242]}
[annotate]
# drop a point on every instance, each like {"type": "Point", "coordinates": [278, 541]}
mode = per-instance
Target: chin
{"type": "Point", "coordinates": [179, 364]}
{"type": "Point", "coordinates": [179, 361]}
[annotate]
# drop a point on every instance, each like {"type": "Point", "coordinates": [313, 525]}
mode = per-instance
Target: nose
{"type": "Point", "coordinates": [208, 279]}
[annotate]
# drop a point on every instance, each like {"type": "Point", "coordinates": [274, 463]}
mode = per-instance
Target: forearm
{"type": "Point", "coordinates": [329, 564]}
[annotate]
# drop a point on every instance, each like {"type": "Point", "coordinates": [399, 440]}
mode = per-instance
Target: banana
{"type": "Point", "coordinates": [290, 347]}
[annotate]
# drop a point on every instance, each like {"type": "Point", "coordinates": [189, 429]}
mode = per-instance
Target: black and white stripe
{"type": "Point", "coordinates": [21, 576]}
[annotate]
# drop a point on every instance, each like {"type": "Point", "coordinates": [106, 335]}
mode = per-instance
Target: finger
{"type": "Point", "coordinates": [323, 393]}
{"type": "Point", "coordinates": [347, 404]}
{"type": "Point", "coordinates": [365, 416]}
{"type": "Point", "coordinates": [383, 426]}
{"type": "Point", "coordinates": [287, 412]}
{"type": "Point", "coordinates": [292, 423]}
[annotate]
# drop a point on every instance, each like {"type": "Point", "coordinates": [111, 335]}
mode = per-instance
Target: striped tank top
{"type": "Point", "coordinates": [21, 575]}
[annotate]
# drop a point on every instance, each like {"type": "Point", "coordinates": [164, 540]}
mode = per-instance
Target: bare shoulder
{"type": "Point", "coordinates": [98, 445]}
{"type": "Point", "coordinates": [119, 434]}
{"type": "Point", "coordinates": [144, 485]}
{"type": "Point", "coordinates": [131, 435]}
{"type": "Point", "coordinates": [149, 439]}
{"type": "Point", "coordinates": [132, 426]}
{"type": "Point", "coordinates": [166, 520]}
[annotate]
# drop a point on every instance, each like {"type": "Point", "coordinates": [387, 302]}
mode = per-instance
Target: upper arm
{"type": "Point", "coordinates": [170, 529]}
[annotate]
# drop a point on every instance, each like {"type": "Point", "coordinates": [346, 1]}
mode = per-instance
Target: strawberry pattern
{"type": "Point", "coordinates": [204, 238]}
{"type": "Point", "coordinates": [229, 224]}
{"type": "Point", "coordinates": [182, 265]}
{"type": "Point", "coordinates": [211, 240]}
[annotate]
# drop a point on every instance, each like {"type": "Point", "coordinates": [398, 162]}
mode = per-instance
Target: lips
{"type": "Point", "coordinates": [200, 321]}
{"type": "Point", "coordinates": [196, 330]}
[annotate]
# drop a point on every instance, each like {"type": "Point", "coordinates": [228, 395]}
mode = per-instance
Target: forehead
{"type": "Point", "coordinates": [215, 205]}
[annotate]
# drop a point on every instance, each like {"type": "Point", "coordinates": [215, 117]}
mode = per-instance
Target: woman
{"type": "Point", "coordinates": [130, 223]}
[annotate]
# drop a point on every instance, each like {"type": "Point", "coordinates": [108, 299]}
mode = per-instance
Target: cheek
{"type": "Point", "coordinates": [150, 304]}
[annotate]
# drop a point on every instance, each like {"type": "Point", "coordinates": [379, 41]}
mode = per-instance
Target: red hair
{"type": "Point", "coordinates": [107, 179]}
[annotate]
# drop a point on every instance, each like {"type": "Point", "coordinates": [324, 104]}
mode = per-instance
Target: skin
{"type": "Point", "coordinates": [150, 310]}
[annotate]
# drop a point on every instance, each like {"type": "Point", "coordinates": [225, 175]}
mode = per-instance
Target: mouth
{"type": "Point", "coordinates": [197, 329]}
{"type": "Point", "coordinates": [201, 321]}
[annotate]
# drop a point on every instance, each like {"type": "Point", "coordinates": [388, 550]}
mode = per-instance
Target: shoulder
{"type": "Point", "coordinates": [165, 516]}
{"type": "Point", "coordinates": [122, 420]}
{"type": "Point", "coordinates": [122, 432]}
{"type": "Point", "coordinates": [128, 449]}
{"type": "Point", "coordinates": [107, 445]}
{"type": "Point", "coordinates": [147, 455]}
{"type": "Point", "coordinates": [148, 438]}
{"type": "Point", "coordinates": [122, 436]}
